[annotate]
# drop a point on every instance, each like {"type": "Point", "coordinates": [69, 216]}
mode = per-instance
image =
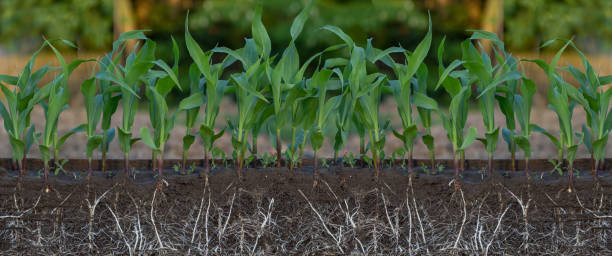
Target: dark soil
{"type": "Point", "coordinates": [278, 212]}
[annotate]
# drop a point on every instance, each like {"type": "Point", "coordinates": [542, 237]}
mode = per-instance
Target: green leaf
{"type": "Point", "coordinates": [428, 140]}
{"type": "Point", "coordinates": [419, 54]}
{"type": "Point", "coordinates": [80, 128]}
{"type": "Point", "coordinates": [260, 35]}
{"type": "Point", "coordinates": [423, 101]}
{"type": "Point", "coordinates": [145, 135]}
{"type": "Point", "coordinates": [188, 140]}
{"type": "Point", "coordinates": [109, 77]}
{"type": "Point", "coordinates": [93, 143]}
{"type": "Point", "coordinates": [447, 71]}
{"type": "Point", "coordinates": [124, 140]}
{"type": "Point", "coordinates": [346, 38]}
{"type": "Point", "coordinates": [298, 22]}
{"type": "Point", "coordinates": [552, 138]}
{"type": "Point", "coordinates": [524, 144]}
{"type": "Point", "coordinates": [469, 138]}
{"type": "Point", "coordinates": [316, 139]}
{"type": "Point", "coordinates": [193, 101]}
{"type": "Point", "coordinates": [169, 71]}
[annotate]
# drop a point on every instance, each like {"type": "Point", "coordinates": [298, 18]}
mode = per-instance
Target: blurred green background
{"type": "Point", "coordinates": [93, 24]}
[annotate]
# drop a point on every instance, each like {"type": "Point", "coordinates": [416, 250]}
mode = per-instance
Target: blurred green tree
{"type": "Point", "coordinates": [23, 23]}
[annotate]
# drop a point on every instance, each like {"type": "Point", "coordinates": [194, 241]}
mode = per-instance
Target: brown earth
{"type": "Point", "coordinates": [278, 212]}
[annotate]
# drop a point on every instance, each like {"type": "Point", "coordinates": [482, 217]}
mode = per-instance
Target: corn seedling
{"type": "Point", "coordinates": [488, 77]}
{"type": "Point", "coordinates": [522, 107]}
{"type": "Point", "coordinates": [403, 92]}
{"type": "Point", "coordinates": [596, 104]}
{"type": "Point", "coordinates": [19, 105]}
{"type": "Point", "coordinates": [158, 85]}
{"type": "Point", "coordinates": [563, 97]}
{"type": "Point", "coordinates": [93, 109]}
{"type": "Point", "coordinates": [129, 77]}
{"type": "Point", "coordinates": [283, 76]}
{"type": "Point", "coordinates": [325, 108]}
{"type": "Point", "coordinates": [55, 104]}
{"type": "Point", "coordinates": [111, 93]}
{"type": "Point", "coordinates": [214, 89]}
{"type": "Point", "coordinates": [248, 86]}
{"type": "Point", "coordinates": [457, 84]}
{"type": "Point", "coordinates": [196, 87]}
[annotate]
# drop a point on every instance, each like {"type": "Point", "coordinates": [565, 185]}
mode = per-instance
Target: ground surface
{"type": "Point", "coordinates": [278, 212]}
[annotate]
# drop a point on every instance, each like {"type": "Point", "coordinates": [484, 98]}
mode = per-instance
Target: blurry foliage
{"type": "Point", "coordinates": [531, 22]}
{"type": "Point", "coordinates": [23, 23]}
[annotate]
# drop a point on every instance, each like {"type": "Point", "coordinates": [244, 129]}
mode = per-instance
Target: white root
{"type": "Point", "coordinates": [337, 240]}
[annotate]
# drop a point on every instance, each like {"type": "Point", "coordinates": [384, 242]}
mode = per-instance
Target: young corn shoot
{"type": "Point", "coordinates": [214, 89]}
{"type": "Point", "coordinates": [111, 92]}
{"type": "Point", "coordinates": [129, 78]}
{"type": "Point", "coordinates": [158, 85]}
{"type": "Point", "coordinates": [282, 77]}
{"type": "Point", "coordinates": [563, 97]}
{"type": "Point", "coordinates": [19, 105]}
{"type": "Point", "coordinates": [248, 86]}
{"type": "Point", "coordinates": [596, 104]}
{"type": "Point", "coordinates": [403, 90]}
{"type": "Point", "coordinates": [325, 107]}
{"type": "Point", "coordinates": [457, 84]}
{"type": "Point", "coordinates": [487, 78]}
{"type": "Point", "coordinates": [522, 107]}
{"type": "Point", "coordinates": [93, 109]}
{"type": "Point", "coordinates": [57, 102]}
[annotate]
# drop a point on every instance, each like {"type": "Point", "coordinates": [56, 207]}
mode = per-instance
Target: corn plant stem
{"type": "Point", "coordinates": [55, 157]}
{"type": "Point", "coordinates": [21, 172]}
{"type": "Point", "coordinates": [301, 154]}
{"type": "Point", "coordinates": [46, 175]}
{"type": "Point", "coordinates": [527, 168]}
{"type": "Point", "coordinates": [206, 162]}
{"type": "Point", "coordinates": [456, 163]}
{"type": "Point", "coordinates": [432, 157]}
{"type": "Point", "coordinates": [278, 149]}
{"type": "Point", "coordinates": [409, 161]}
{"type": "Point", "coordinates": [316, 169]}
{"type": "Point", "coordinates": [160, 164]}
{"type": "Point", "coordinates": [570, 169]}
{"type": "Point", "coordinates": [184, 162]}
{"type": "Point", "coordinates": [362, 150]}
{"type": "Point", "coordinates": [241, 157]}
{"type": "Point", "coordinates": [462, 161]}
{"type": "Point", "coordinates": [153, 158]}
{"type": "Point", "coordinates": [22, 165]}
{"type": "Point", "coordinates": [490, 164]}
{"type": "Point", "coordinates": [293, 133]}
{"type": "Point", "coordinates": [254, 145]}
{"type": "Point", "coordinates": [338, 163]}
{"type": "Point", "coordinates": [103, 147]}
{"type": "Point", "coordinates": [23, 161]}
{"type": "Point", "coordinates": [89, 168]}
{"type": "Point", "coordinates": [374, 139]}
{"type": "Point", "coordinates": [126, 164]}
{"type": "Point", "coordinates": [595, 171]}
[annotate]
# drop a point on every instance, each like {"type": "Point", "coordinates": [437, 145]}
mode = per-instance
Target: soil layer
{"type": "Point", "coordinates": [279, 212]}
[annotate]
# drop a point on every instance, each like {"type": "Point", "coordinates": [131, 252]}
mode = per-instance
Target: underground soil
{"type": "Point", "coordinates": [279, 212]}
